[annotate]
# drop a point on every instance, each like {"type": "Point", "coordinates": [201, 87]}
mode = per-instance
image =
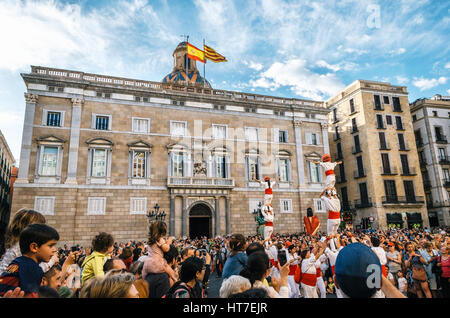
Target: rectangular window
{"type": "Point", "coordinates": [357, 145]}
{"type": "Point", "coordinates": [382, 138]}
{"type": "Point", "coordinates": [335, 118]}
{"type": "Point", "coordinates": [99, 163]}
{"type": "Point", "coordinates": [360, 166]}
{"type": "Point", "coordinates": [49, 161]}
{"type": "Point", "coordinates": [377, 102]}
{"type": "Point", "coordinates": [380, 123]}
{"type": "Point", "coordinates": [178, 128]}
{"type": "Point", "coordinates": [386, 163]}
{"type": "Point", "coordinates": [283, 136]}
{"type": "Point", "coordinates": [285, 206]}
{"type": "Point", "coordinates": [398, 122]}
{"type": "Point", "coordinates": [442, 155]}
{"type": "Point", "coordinates": [138, 206]}
{"type": "Point", "coordinates": [396, 104]}
{"type": "Point", "coordinates": [96, 206]}
{"type": "Point", "coordinates": [219, 131]}
{"type": "Point", "coordinates": [354, 125]}
{"type": "Point", "coordinates": [221, 167]}
{"type": "Point", "coordinates": [352, 106]}
{"type": "Point", "coordinates": [344, 196]}
{"type": "Point", "coordinates": [251, 133]}
{"type": "Point", "coordinates": [389, 119]}
{"type": "Point", "coordinates": [253, 168]}
{"type": "Point", "coordinates": [139, 164]}
{"type": "Point", "coordinates": [401, 142]}
{"type": "Point", "coordinates": [405, 164]}
{"type": "Point", "coordinates": [390, 190]}
{"type": "Point", "coordinates": [314, 139]}
{"type": "Point", "coordinates": [385, 99]}
{"type": "Point", "coordinates": [177, 165]}
{"type": "Point", "coordinates": [342, 172]}
{"type": "Point", "coordinates": [337, 135]}
{"type": "Point", "coordinates": [319, 206]}
{"type": "Point", "coordinates": [339, 150]}
{"type": "Point", "coordinates": [44, 205]}
{"type": "Point", "coordinates": [363, 195]}
{"type": "Point", "coordinates": [54, 119]}
{"type": "Point", "coordinates": [141, 125]}
{"type": "Point", "coordinates": [102, 122]}
{"type": "Point", "coordinates": [284, 170]}
{"type": "Point", "coordinates": [409, 191]}
{"type": "Point", "coordinates": [315, 172]}
{"type": "Point", "coordinates": [446, 175]}
{"type": "Point", "coordinates": [253, 205]}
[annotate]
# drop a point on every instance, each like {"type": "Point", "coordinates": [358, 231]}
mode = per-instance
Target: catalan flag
{"type": "Point", "coordinates": [195, 54]}
{"type": "Point", "coordinates": [212, 55]}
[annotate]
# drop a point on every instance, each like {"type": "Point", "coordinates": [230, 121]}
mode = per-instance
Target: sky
{"type": "Point", "coordinates": [294, 49]}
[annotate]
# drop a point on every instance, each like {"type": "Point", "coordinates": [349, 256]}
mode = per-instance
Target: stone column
{"type": "Point", "coordinates": [326, 146]}
{"type": "Point", "coordinates": [216, 217]}
{"type": "Point", "coordinates": [299, 153]}
{"type": "Point", "coordinates": [183, 217]}
{"type": "Point", "coordinates": [77, 104]}
{"type": "Point", "coordinates": [227, 215]}
{"type": "Point", "coordinates": [27, 135]}
{"type": "Point", "coordinates": [172, 216]}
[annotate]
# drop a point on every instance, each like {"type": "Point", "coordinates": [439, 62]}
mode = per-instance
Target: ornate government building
{"type": "Point", "coordinates": [98, 152]}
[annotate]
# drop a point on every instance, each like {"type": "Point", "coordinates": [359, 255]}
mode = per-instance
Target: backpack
{"type": "Point", "coordinates": [176, 288]}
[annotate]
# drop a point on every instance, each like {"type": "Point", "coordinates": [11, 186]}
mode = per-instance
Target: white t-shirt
{"type": "Point", "coordinates": [402, 284]}
{"type": "Point", "coordinates": [381, 254]}
{"type": "Point", "coordinates": [328, 165]}
{"type": "Point", "coordinates": [268, 217]}
{"type": "Point", "coordinates": [266, 186]}
{"type": "Point", "coordinates": [331, 204]}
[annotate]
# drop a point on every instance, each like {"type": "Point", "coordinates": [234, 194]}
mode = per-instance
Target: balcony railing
{"type": "Point", "coordinates": [393, 199]}
{"type": "Point", "coordinates": [359, 174]}
{"type": "Point", "coordinates": [200, 181]}
{"type": "Point", "coordinates": [409, 171]}
{"type": "Point", "coordinates": [360, 204]}
{"type": "Point", "coordinates": [444, 160]}
{"type": "Point", "coordinates": [389, 171]}
{"type": "Point", "coordinates": [441, 140]}
{"type": "Point", "coordinates": [385, 146]}
{"type": "Point", "coordinates": [346, 206]}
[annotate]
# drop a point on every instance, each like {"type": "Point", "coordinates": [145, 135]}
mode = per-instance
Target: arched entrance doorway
{"type": "Point", "coordinates": [200, 221]}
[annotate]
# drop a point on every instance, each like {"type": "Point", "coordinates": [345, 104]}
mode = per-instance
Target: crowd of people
{"type": "Point", "coordinates": [405, 263]}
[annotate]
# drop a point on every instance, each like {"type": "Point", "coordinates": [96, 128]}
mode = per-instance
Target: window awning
{"type": "Point", "coordinates": [414, 217]}
{"type": "Point", "coordinates": [394, 218]}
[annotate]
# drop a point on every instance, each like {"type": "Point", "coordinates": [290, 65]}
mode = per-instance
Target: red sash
{"type": "Point", "coordinates": [309, 279]}
{"type": "Point", "coordinates": [274, 262]}
{"type": "Point", "coordinates": [383, 270]}
{"type": "Point", "coordinates": [329, 172]}
{"type": "Point", "coordinates": [269, 223]}
{"type": "Point", "coordinates": [318, 272]}
{"type": "Point", "coordinates": [268, 191]}
{"type": "Point", "coordinates": [334, 215]}
{"type": "Point", "coordinates": [292, 269]}
{"type": "Point", "coordinates": [332, 269]}
{"type": "Point", "coordinates": [311, 226]}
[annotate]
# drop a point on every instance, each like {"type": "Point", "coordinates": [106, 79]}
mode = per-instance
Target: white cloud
{"type": "Point", "coordinates": [447, 65]}
{"type": "Point", "coordinates": [424, 83]}
{"type": "Point", "coordinates": [254, 66]}
{"type": "Point", "coordinates": [448, 92]}
{"type": "Point", "coordinates": [398, 51]}
{"type": "Point", "coordinates": [303, 82]}
{"type": "Point", "coordinates": [334, 68]}
{"type": "Point", "coordinates": [402, 80]}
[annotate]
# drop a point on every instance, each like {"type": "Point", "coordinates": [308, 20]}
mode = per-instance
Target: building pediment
{"type": "Point", "coordinates": [177, 146]}
{"type": "Point", "coordinates": [313, 155]}
{"type": "Point", "coordinates": [50, 139]}
{"type": "Point", "coordinates": [99, 141]}
{"type": "Point", "coordinates": [140, 144]}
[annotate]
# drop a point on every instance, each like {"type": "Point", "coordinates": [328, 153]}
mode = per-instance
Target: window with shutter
{"type": "Point", "coordinates": [138, 205]}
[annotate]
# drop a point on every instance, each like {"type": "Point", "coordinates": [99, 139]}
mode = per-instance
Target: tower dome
{"type": "Point", "coordinates": [178, 74]}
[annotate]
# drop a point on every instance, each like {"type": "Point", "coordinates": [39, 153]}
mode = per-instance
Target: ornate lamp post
{"type": "Point", "coordinates": [156, 214]}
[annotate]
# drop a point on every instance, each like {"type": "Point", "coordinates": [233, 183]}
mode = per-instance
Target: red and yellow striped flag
{"type": "Point", "coordinates": [195, 54]}
{"type": "Point", "coordinates": [212, 55]}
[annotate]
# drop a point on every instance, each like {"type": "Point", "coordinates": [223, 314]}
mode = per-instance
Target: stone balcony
{"type": "Point", "coordinates": [203, 182]}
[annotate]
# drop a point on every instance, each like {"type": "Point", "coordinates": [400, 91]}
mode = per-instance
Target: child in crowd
{"type": "Point", "coordinates": [19, 222]}
{"type": "Point", "coordinates": [155, 263]}
{"type": "Point", "coordinates": [402, 283]}
{"type": "Point", "coordinates": [329, 166]}
{"type": "Point", "coordinates": [37, 244]}
{"type": "Point", "coordinates": [103, 245]}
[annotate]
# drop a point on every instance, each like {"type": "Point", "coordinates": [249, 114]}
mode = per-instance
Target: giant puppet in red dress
{"type": "Point", "coordinates": [311, 222]}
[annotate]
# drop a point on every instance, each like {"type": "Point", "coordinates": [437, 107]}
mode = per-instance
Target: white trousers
{"type": "Point", "coordinates": [332, 226]}
{"type": "Point", "coordinates": [268, 198]}
{"type": "Point", "coordinates": [309, 291]}
{"type": "Point", "coordinates": [268, 230]}
{"type": "Point", "coordinates": [321, 286]}
{"type": "Point", "coordinates": [330, 180]}
{"type": "Point", "coordinates": [294, 291]}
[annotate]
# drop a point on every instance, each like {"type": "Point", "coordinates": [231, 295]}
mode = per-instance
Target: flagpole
{"type": "Point", "coordinates": [204, 65]}
{"type": "Point", "coordinates": [186, 62]}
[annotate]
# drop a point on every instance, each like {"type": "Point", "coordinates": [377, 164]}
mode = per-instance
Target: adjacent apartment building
{"type": "Point", "coordinates": [372, 134]}
{"type": "Point", "coordinates": [6, 165]}
{"type": "Point", "coordinates": [431, 121]}
{"type": "Point", "coordinates": [99, 152]}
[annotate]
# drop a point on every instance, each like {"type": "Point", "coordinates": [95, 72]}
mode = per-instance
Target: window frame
{"type": "Point", "coordinates": [133, 126]}
{"type": "Point", "coordinates": [94, 121]}
{"type": "Point", "coordinates": [52, 205]}
{"type": "Point", "coordinates": [289, 210]}
{"type": "Point", "coordinates": [214, 127]}
{"type": "Point", "coordinates": [172, 130]}
{"type": "Point", "coordinates": [89, 206]}
{"type": "Point", "coordinates": [247, 128]}
{"type": "Point", "coordinates": [45, 112]}
{"type": "Point", "coordinates": [134, 211]}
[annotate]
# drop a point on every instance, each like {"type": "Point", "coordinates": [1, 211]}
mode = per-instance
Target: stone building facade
{"type": "Point", "coordinates": [371, 132]}
{"type": "Point", "coordinates": [431, 122]}
{"type": "Point", "coordinates": [98, 152]}
{"type": "Point", "coordinates": [6, 166]}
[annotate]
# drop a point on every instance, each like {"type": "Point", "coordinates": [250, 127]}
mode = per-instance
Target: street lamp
{"type": "Point", "coordinates": [156, 214]}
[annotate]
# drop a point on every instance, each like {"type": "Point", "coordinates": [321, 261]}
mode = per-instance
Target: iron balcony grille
{"type": "Point", "coordinates": [359, 174]}
{"type": "Point", "coordinates": [441, 140]}
{"type": "Point", "coordinates": [389, 171]}
{"type": "Point", "coordinates": [402, 199]}
{"type": "Point", "coordinates": [444, 160]}
{"type": "Point", "coordinates": [360, 204]}
{"type": "Point", "coordinates": [409, 171]}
